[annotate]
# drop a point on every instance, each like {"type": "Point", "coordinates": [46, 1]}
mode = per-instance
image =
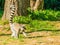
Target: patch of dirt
{"type": "Point", "coordinates": [57, 25]}
{"type": "Point", "coordinates": [41, 33]}
{"type": "Point", "coordinates": [34, 38]}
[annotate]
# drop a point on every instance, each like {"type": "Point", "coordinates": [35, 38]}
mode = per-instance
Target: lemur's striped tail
{"type": "Point", "coordinates": [12, 11]}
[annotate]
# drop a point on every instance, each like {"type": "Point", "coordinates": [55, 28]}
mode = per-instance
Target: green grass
{"type": "Point", "coordinates": [41, 26]}
{"type": "Point", "coordinates": [4, 22]}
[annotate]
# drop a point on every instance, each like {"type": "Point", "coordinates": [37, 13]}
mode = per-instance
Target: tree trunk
{"type": "Point", "coordinates": [36, 4]}
{"type": "Point", "coordinates": [21, 8]}
{"type": "Point", "coordinates": [7, 9]}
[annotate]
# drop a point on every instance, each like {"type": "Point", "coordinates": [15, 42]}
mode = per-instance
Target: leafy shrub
{"type": "Point", "coordinates": [22, 19]}
{"type": "Point", "coordinates": [2, 4]}
{"type": "Point", "coordinates": [45, 15]}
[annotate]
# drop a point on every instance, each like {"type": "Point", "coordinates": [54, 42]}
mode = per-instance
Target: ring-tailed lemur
{"type": "Point", "coordinates": [15, 27]}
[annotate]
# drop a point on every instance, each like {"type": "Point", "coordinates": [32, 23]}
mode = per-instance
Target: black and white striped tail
{"type": "Point", "coordinates": [12, 11]}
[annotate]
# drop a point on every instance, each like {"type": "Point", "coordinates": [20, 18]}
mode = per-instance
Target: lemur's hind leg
{"type": "Point", "coordinates": [23, 31]}
{"type": "Point", "coordinates": [24, 34]}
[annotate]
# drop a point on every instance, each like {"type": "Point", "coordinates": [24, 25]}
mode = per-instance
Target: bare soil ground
{"type": "Point", "coordinates": [34, 38]}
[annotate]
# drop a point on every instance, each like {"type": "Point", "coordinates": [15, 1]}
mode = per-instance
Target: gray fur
{"type": "Point", "coordinates": [15, 27]}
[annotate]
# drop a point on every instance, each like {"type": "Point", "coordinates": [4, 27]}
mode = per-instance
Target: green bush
{"type": "Point", "coordinates": [45, 15]}
{"type": "Point", "coordinates": [50, 15]}
{"type": "Point", "coordinates": [2, 4]}
{"type": "Point", "coordinates": [22, 19]}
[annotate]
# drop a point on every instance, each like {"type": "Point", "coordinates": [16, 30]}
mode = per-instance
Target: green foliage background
{"type": "Point", "coordinates": [2, 4]}
{"type": "Point", "coordinates": [52, 4]}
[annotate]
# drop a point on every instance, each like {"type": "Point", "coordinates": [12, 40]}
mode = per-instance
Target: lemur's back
{"type": "Point", "coordinates": [18, 26]}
